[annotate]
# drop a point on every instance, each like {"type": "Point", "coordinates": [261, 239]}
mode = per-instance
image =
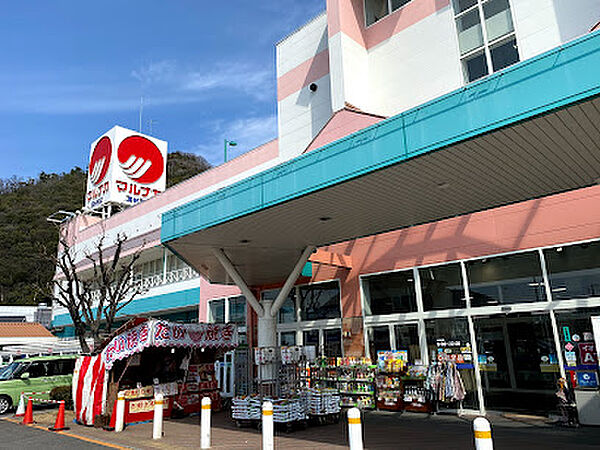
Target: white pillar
{"type": "Point", "coordinates": [267, 337]}
{"type": "Point", "coordinates": [157, 426]}
{"type": "Point", "coordinates": [354, 429]}
{"type": "Point", "coordinates": [120, 419]}
{"type": "Point", "coordinates": [483, 434]}
{"type": "Point", "coordinates": [267, 327]}
{"type": "Point", "coordinates": [205, 423]}
{"type": "Point", "coordinates": [267, 426]}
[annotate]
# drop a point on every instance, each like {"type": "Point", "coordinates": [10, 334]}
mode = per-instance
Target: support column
{"type": "Point", "coordinates": [238, 280]}
{"type": "Point", "coordinates": [267, 327]}
{"type": "Point", "coordinates": [289, 283]}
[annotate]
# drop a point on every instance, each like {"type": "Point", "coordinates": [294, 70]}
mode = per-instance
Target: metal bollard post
{"type": "Point", "coordinates": [267, 426]}
{"type": "Point", "coordinates": [354, 429]}
{"type": "Point", "coordinates": [157, 426]}
{"type": "Point", "coordinates": [205, 423]}
{"type": "Point", "coordinates": [483, 434]}
{"type": "Point", "coordinates": [120, 420]}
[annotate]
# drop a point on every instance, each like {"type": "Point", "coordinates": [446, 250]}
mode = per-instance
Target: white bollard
{"type": "Point", "coordinates": [354, 429]}
{"type": "Point", "coordinates": [267, 426]}
{"type": "Point", "coordinates": [483, 434]}
{"type": "Point", "coordinates": [157, 426]}
{"type": "Point", "coordinates": [120, 419]}
{"type": "Point", "coordinates": [205, 423]}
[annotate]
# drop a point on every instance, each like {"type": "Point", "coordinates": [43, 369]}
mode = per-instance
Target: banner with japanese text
{"type": "Point", "coordinates": [160, 333]}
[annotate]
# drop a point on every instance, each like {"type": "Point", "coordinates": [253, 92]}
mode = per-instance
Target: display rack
{"type": "Point", "coordinates": [354, 378]}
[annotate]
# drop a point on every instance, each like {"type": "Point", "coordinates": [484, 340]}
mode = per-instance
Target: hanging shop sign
{"type": "Point", "coordinates": [571, 358]}
{"type": "Point", "coordinates": [587, 353]}
{"type": "Point", "coordinates": [160, 333]}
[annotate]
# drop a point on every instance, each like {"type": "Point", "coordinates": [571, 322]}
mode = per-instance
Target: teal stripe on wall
{"type": "Point", "coordinates": [157, 303]}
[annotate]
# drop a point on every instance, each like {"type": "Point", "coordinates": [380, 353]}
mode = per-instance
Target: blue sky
{"type": "Point", "coordinates": [70, 70]}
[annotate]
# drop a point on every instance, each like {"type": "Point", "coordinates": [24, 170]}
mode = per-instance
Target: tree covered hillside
{"type": "Point", "coordinates": [24, 207]}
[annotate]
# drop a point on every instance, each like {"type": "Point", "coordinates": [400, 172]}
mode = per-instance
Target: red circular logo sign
{"type": "Point", "coordinates": [140, 159]}
{"type": "Point", "coordinates": [100, 160]}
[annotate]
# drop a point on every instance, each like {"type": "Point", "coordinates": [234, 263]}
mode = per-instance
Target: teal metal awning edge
{"type": "Point", "coordinates": [555, 79]}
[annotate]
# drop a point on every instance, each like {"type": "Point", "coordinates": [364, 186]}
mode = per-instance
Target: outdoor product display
{"type": "Point", "coordinates": [287, 388]}
{"type": "Point", "coordinates": [354, 378]}
{"type": "Point", "coordinates": [323, 401]}
{"type": "Point", "coordinates": [444, 382]}
{"type": "Point", "coordinates": [200, 381]}
{"type": "Point", "coordinates": [389, 391]}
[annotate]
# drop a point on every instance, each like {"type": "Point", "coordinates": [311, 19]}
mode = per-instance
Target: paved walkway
{"type": "Point", "coordinates": [383, 430]}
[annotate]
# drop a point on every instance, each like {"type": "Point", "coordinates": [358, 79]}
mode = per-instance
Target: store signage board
{"type": "Point", "coordinates": [569, 346]}
{"type": "Point", "coordinates": [159, 333]}
{"type": "Point", "coordinates": [587, 353]}
{"type": "Point", "coordinates": [571, 358]}
{"type": "Point", "coordinates": [125, 168]}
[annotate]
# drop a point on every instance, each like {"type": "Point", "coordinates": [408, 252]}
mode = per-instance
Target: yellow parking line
{"type": "Point", "coordinates": [75, 436]}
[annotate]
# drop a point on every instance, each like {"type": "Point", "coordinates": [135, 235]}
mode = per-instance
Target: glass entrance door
{"type": "Point", "coordinates": [517, 360]}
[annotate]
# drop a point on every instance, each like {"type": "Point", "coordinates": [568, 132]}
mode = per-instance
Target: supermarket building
{"type": "Point", "coordinates": [437, 166]}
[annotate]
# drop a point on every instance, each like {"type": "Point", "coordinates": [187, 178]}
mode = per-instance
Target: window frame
{"type": "Point", "coordinates": [389, 13]}
{"type": "Point", "coordinates": [487, 43]}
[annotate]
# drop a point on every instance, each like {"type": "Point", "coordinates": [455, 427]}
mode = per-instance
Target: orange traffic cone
{"type": "Point", "coordinates": [28, 418]}
{"type": "Point", "coordinates": [59, 425]}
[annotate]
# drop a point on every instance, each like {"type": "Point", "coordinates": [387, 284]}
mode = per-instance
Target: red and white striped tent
{"type": "Point", "coordinates": [90, 379]}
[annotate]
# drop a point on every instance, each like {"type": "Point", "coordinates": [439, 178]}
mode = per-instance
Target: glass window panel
{"type": "Point", "coordinates": [288, 338]}
{"type": "Point", "coordinates": [311, 337]}
{"type": "Point", "coordinates": [498, 20]}
{"type": "Point", "coordinates": [375, 10]}
{"type": "Point", "coordinates": [287, 312]}
{"type": "Point", "coordinates": [379, 340]}
{"type": "Point", "coordinates": [475, 67]}
{"type": "Point", "coordinates": [333, 342]}
{"type": "Point", "coordinates": [574, 271]}
{"type": "Point", "coordinates": [442, 287]}
{"type": "Point", "coordinates": [407, 338]}
{"type": "Point", "coordinates": [506, 279]}
{"type": "Point", "coordinates": [470, 35]}
{"type": "Point", "coordinates": [575, 327]}
{"type": "Point", "coordinates": [390, 293]}
{"type": "Point", "coordinates": [463, 5]}
{"type": "Point", "coordinates": [504, 54]}
{"type": "Point", "coordinates": [217, 311]}
{"type": "Point", "coordinates": [450, 339]}
{"type": "Point", "coordinates": [399, 4]}
{"type": "Point", "coordinates": [320, 301]}
{"type": "Point", "coordinates": [237, 310]}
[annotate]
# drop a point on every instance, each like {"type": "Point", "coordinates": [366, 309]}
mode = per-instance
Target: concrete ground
{"type": "Point", "coordinates": [383, 430]}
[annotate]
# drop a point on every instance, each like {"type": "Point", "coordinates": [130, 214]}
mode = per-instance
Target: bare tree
{"type": "Point", "coordinates": [95, 284]}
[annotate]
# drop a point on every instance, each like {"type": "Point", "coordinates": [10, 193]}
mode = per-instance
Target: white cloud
{"type": "Point", "coordinates": [161, 83]}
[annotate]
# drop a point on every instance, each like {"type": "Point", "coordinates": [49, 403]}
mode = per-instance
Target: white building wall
{"type": "Point", "coordinates": [302, 114]}
{"type": "Point", "coordinates": [301, 45]}
{"type": "Point", "coordinates": [349, 63]}
{"type": "Point", "coordinates": [541, 25]}
{"type": "Point", "coordinates": [416, 65]}
{"type": "Point", "coordinates": [16, 311]}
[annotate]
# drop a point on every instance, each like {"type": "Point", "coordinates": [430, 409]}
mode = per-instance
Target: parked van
{"type": "Point", "coordinates": [38, 374]}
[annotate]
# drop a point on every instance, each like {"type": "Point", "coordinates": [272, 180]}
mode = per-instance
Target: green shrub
{"type": "Point", "coordinates": [63, 393]}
